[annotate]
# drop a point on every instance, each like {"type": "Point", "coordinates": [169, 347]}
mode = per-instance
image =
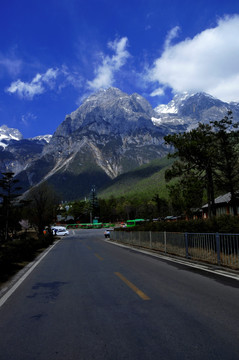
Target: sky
{"type": "Point", "coordinates": [55, 53]}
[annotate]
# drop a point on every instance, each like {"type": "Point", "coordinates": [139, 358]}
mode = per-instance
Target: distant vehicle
{"type": "Point", "coordinates": [131, 223]}
{"type": "Point", "coordinates": [59, 230]}
{"type": "Point", "coordinates": [123, 225]}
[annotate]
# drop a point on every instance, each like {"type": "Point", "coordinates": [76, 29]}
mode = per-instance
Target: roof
{"type": "Point", "coordinates": [222, 199]}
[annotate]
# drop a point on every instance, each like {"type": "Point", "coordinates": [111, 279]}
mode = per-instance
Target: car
{"type": "Point", "coordinates": [59, 230]}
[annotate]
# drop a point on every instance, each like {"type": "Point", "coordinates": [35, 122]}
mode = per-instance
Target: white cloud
{"type": "Point", "coordinates": [38, 85]}
{"type": "Point", "coordinates": [172, 34]}
{"type": "Point", "coordinates": [13, 66]}
{"type": "Point", "coordinates": [69, 77]}
{"type": "Point", "coordinates": [104, 73]}
{"type": "Point", "coordinates": [10, 62]}
{"type": "Point", "coordinates": [208, 62]}
{"type": "Point", "coordinates": [27, 118]}
{"type": "Point", "coordinates": [158, 92]}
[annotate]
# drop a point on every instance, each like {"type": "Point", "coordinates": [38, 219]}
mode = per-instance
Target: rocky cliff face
{"type": "Point", "coordinates": [114, 127]}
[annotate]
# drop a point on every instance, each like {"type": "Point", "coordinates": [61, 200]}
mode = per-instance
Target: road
{"type": "Point", "coordinates": [89, 299]}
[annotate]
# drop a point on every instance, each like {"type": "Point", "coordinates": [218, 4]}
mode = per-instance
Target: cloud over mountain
{"type": "Point", "coordinates": [37, 86]}
{"type": "Point", "coordinates": [104, 72]}
{"type": "Point", "coordinates": [208, 62]}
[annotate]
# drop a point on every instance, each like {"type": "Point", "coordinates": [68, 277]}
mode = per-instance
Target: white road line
{"type": "Point", "coordinates": [20, 281]}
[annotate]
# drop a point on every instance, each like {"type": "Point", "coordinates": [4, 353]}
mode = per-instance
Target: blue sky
{"type": "Point", "coordinates": [54, 53]}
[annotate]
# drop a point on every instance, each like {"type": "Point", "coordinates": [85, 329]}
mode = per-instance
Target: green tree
{"type": "Point", "coordinates": [80, 210]}
{"type": "Point", "coordinates": [226, 139]}
{"type": "Point", "coordinates": [196, 152]}
{"type": "Point", "coordinates": [186, 194]}
{"type": "Point", "coordinates": [42, 208]}
{"type": "Point", "coordinates": [108, 209]}
{"type": "Point", "coordinates": [8, 210]}
{"type": "Point", "coordinates": [161, 205]}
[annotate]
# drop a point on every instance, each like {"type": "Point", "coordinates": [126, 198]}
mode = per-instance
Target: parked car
{"type": "Point", "coordinates": [59, 230]}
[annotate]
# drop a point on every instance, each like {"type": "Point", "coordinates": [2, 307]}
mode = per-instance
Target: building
{"type": "Point", "coordinates": [223, 206]}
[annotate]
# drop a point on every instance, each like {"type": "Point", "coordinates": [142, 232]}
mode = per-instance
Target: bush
{"type": "Point", "coordinates": [222, 224]}
{"type": "Point", "coordinates": [15, 252]}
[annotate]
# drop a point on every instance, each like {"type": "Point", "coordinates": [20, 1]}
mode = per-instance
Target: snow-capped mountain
{"type": "Point", "coordinates": [186, 110]}
{"type": "Point", "coordinates": [45, 138]}
{"type": "Point", "coordinates": [174, 105]}
{"type": "Point", "coordinates": [7, 134]}
{"type": "Point", "coordinates": [111, 133]}
{"type": "Point", "coordinates": [17, 153]}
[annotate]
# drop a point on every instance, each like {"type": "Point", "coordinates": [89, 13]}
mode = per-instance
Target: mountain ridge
{"type": "Point", "coordinates": [110, 134]}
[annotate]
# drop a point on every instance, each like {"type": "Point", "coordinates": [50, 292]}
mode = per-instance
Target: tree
{"type": "Point", "coordinates": [186, 195]}
{"type": "Point", "coordinates": [161, 205]}
{"type": "Point", "coordinates": [226, 141]}
{"type": "Point", "coordinates": [9, 195]}
{"type": "Point", "coordinates": [196, 152]}
{"type": "Point", "coordinates": [80, 210]}
{"type": "Point", "coordinates": [43, 206]}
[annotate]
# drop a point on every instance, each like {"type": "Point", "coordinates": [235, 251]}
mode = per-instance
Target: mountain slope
{"type": "Point", "coordinates": [143, 182]}
{"type": "Point", "coordinates": [109, 134]}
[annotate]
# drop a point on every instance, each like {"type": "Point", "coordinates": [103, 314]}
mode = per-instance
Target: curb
{"type": "Point", "coordinates": [233, 274]}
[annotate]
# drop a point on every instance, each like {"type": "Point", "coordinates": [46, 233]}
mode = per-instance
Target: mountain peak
{"type": "Point", "coordinates": [109, 111]}
{"type": "Point", "coordinates": [7, 134]}
{"type": "Point", "coordinates": [103, 94]}
{"type": "Point", "coordinates": [44, 138]}
{"type": "Point", "coordinates": [186, 110]}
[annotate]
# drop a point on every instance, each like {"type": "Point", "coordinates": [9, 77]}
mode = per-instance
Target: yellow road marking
{"type": "Point", "coordinates": [99, 257]}
{"type": "Point", "coordinates": [132, 287]}
{"type": "Point", "coordinates": [88, 247]}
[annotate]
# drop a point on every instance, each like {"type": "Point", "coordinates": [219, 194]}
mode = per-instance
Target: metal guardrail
{"type": "Point", "coordinates": [214, 248]}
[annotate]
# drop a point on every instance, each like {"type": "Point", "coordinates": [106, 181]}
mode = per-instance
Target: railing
{"type": "Point", "coordinates": [216, 248]}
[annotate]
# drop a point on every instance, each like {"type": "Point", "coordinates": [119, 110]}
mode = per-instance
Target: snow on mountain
{"type": "Point", "coordinates": [45, 138]}
{"type": "Point", "coordinates": [173, 106]}
{"type": "Point", "coordinates": [7, 134]}
{"type": "Point", "coordinates": [109, 134]}
{"type": "Point", "coordinates": [186, 110]}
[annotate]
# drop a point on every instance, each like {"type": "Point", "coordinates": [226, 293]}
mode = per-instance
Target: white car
{"type": "Point", "coordinates": [59, 230]}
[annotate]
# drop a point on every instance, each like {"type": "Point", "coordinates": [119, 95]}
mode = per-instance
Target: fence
{"type": "Point", "coordinates": [219, 249]}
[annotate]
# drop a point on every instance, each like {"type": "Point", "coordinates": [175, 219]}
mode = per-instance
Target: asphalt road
{"type": "Point", "coordinates": [89, 299]}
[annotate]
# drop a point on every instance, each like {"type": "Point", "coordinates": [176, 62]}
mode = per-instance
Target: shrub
{"type": "Point", "coordinates": [222, 224]}
{"type": "Point", "coordinates": [21, 250]}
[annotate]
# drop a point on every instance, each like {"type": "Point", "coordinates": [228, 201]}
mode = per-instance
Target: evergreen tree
{"type": "Point", "coordinates": [196, 152]}
{"type": "Point", "coordinates": [161, 205]}
{"type": "Point", "coordinates": [8, 209]}
{"type": "Point", "coordinates": [80, 211]}
{"type": "Point", "coordinates": [226, 139]}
